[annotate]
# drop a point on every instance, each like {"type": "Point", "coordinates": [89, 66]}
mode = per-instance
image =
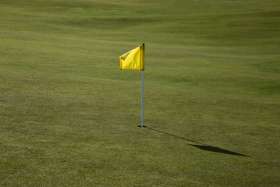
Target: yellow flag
{"type": "Point", "coordinates": [133, 59]}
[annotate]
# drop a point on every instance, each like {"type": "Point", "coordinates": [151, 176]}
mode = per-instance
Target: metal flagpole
{"type": "Point", "coordinates": [142, 100]}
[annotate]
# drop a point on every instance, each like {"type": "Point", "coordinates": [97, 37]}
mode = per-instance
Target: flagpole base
{"type": "Point", "coordinates": [140, 126]}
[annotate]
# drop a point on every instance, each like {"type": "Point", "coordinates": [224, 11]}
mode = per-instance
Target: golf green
{"type": "Point", "coordinates": [69, 116]}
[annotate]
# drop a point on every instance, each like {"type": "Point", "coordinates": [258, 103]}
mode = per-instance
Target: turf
{"type": "Point", "coordinates": [69, 116]}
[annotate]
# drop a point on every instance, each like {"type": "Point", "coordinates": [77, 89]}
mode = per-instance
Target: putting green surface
{"type": "Point", "coordinates": [69, 116]}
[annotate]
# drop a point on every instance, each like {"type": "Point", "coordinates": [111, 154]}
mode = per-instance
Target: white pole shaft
{"type": "Point", "coordinates": [142, 101]}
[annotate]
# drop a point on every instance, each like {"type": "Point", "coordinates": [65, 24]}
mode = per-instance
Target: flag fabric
{"type": "Point", "coordinates": [133, 59]}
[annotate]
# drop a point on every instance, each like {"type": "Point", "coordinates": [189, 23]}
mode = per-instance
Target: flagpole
{"type": "Point", "coordinates": [142, 100]}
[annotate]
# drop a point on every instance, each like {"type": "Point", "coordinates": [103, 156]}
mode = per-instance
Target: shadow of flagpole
{"type": "Point", "coordinates": [198, 144]}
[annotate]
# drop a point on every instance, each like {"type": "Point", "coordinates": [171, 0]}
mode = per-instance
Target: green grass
{"type": "Point", "coordinates": [69, 116]}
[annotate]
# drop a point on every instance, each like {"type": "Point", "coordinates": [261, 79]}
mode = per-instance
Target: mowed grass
{"type": "Point", "coordinates": [69, 116]}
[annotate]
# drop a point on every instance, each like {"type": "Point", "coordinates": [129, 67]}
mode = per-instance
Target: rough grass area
{"type": "Point", "coordinates": [69, 116]}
